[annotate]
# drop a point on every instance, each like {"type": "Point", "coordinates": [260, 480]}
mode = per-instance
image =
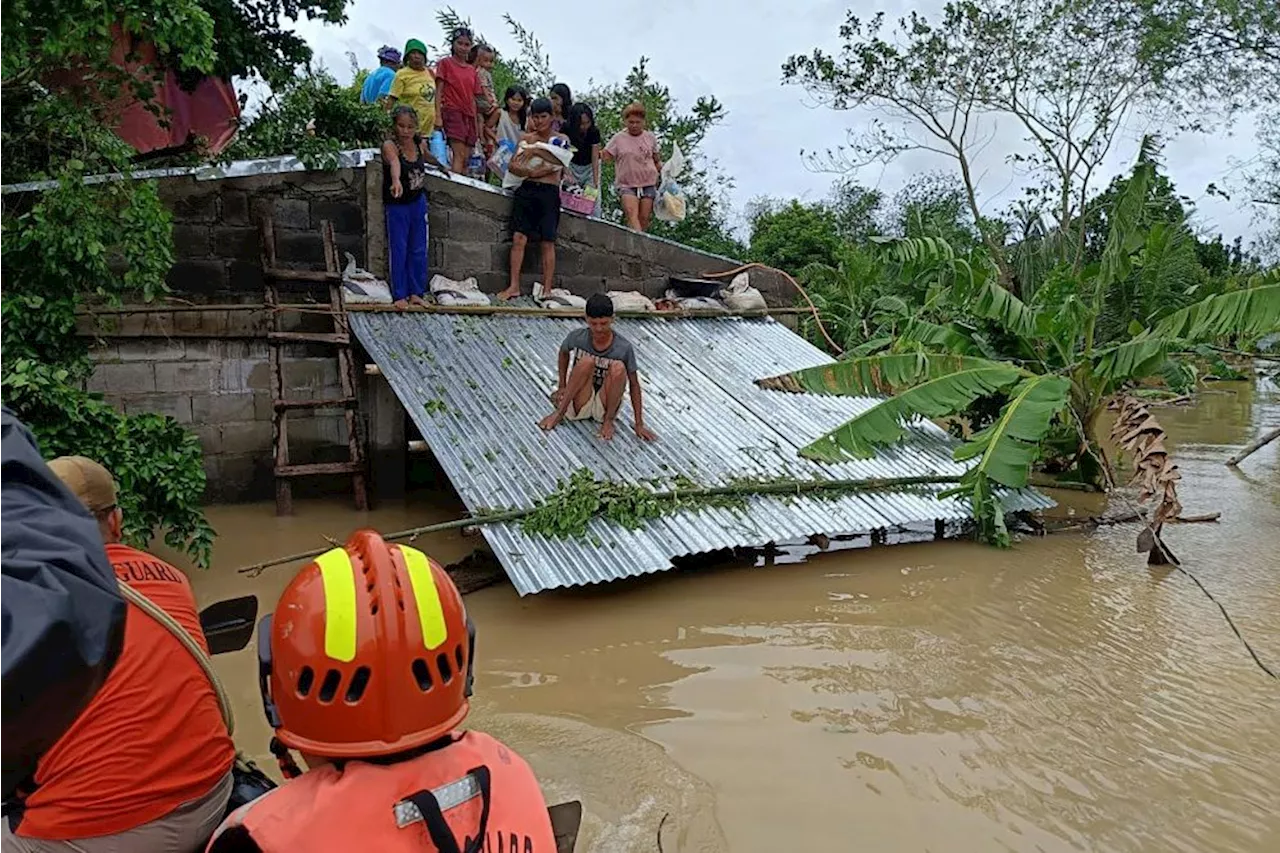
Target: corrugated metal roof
{"type": "Point", "coordinates": [492, 375]}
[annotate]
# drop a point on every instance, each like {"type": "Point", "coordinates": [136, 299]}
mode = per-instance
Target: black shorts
{"type": "Point", "coordinates": [535, 211]}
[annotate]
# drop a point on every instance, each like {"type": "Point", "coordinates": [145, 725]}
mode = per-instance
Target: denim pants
{"type": "Point", "coordinates": [407, 248]}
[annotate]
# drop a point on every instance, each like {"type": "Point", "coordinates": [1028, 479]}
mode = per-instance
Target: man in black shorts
{"type": "Point", "coordinates": [603, 362]}
{"type": "Point", "coordinates": [535, 211]}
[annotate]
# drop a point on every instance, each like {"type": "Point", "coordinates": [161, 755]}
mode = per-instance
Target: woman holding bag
{"type": "Point", "coordinates": [634, 151]}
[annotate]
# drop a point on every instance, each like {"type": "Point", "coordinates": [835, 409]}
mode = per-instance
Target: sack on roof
{"type": "Point", "coordinates": [449, 292]}
{"type": "Point", "coordinates": [556, 297]}
{"type": "Point", "coordinates": [630, 300]}
{"type": "Point", "coordinates": [741, 296]}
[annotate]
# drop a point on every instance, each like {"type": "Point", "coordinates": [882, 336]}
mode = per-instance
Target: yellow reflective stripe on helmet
{"type": "Point", "coordinates": [339, 578]}
{"type": "Point", "coordinates": [426, 596]}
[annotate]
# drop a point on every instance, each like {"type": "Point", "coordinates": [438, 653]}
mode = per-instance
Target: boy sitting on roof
{"type": "Point", "coordinates": [603, 361]}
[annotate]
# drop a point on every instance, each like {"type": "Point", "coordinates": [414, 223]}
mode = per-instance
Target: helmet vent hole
{"type": "Point", "coordinates": [359, 682]}
{"type": "Point", "coordinates": [373, 607]}
{"type": "Point", "coordinates": [305, 679]}
{"type": "Point", "coordinates": [457, 656]}
{"type": "Point", "coordinates": [446, 669]}
{"type": "Point", "coordinates": [421, 674]}
{"type": "Point", "coordinates": [329, 687]}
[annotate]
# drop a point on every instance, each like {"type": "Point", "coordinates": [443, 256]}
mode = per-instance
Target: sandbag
{"type": "Point", "coordinates": [694, 303]}
{"type": "Point", "coordinates": [630, 300]}
{"type": "Point", "coordinates": [741, 296]}
{"type": "Point", "coordinates": [556, 297]}
{"type": "Point", "coordinates": [449, 292]}
{"type": "Point", "coordinates": [64, 617]}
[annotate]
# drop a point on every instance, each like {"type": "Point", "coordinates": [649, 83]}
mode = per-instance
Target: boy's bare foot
{"type": "Point", "coordinates": [418, 301]}
{"type": "Point", "coordinates": [550, 422]}
{"type": "Point", "coordinates": [606, 431]}
{"type": "Point", "coordinates": [509, 294]}
{"type": "Point", "coordinates": [400, 304]}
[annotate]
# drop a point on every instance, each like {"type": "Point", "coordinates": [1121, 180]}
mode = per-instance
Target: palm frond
{"type": "Point", "coordinates": [996, 303]}
{"type": "Point", "coordinates": [1007, 448]}
{"type": "Point", "coordinates": [1255, 311]}
{"type": "Point", "coordinates": [1125, 234]}
{"type": "Point", "coordinates": [874, 374]}
{"type": "Point", "coordinates": [948, 338]}
{"type": "Point", "coordinates": [885, 423]}
{"type": "Point", "coordinates": [1132, 359]}
{"type": "Point", "coordinates": [911, 250]}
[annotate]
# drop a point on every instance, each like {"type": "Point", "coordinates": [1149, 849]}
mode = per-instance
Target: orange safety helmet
{"type": "Point", "coordinates": [369, 652]}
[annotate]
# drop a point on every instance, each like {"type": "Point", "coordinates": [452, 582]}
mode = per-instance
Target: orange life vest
{"type": "Point", "coordinates": [473, 793]}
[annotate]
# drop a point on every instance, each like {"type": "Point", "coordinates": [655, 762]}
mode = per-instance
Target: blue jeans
{"type": "Point", "coordinates": [407, 248]}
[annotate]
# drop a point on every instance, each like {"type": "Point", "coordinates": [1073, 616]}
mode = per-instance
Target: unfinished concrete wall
{"type": "Point", "coordinates": [470, 236]}
{"type": "Point", "coordinates": [207, 367]}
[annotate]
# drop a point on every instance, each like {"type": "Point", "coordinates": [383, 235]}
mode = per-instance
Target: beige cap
{"type": "Point", "coordinates": [87, 480]}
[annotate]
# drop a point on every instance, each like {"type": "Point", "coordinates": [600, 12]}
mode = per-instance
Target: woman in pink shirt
{"type": "Point", "coordinates": [457, 86]}
{"type": "Point", "coordinates": [634, 153]}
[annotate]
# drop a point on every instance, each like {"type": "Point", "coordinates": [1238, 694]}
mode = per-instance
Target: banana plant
{"type": "Point", "coordinates": [1047, 369]}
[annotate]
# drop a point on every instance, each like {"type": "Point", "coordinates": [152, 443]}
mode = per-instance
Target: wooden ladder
{"type": "Point", "coordinates": [340, 339]}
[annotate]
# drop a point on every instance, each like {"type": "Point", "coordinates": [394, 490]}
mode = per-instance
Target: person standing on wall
{"type": "Point", "coordinates": [634, 151]}
{"type": "Point", "coordinates": [584, 168]}
{"type": "Point", "coordinates": [414, 86]}
{"type": "Point", "coordinates": [561, 102]}
{"type": "Point", "coordinates": [378, 84]}
{"type": "Point", "coordinates": [404, 198]}
{"type": "Point", "coordinates": [535, 207]}
{"type": "Point", "coordinates": [366, 669]}
{"type": "Point", "coordinates": [456, 105]}
{"type": "Point", "coordinates": [146, 767]}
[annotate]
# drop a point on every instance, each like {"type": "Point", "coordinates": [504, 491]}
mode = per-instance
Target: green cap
{"type": "Point", "coordinates": [415, 44]}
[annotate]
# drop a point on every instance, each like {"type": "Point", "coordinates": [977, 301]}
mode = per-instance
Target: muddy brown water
{"type": "Point", "coordinates": [1056, 696]}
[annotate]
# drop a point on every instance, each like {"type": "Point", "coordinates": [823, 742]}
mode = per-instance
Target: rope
{"type": "Point", "coordinates": [1225, 615]}
{"type": "Point", "coordinates": [147, 606]}
{"type": "Point", "coordinates": [817, 318]}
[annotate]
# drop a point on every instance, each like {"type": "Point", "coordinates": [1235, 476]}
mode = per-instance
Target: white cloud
{"type": "Point", "coordinates": [735, 51]}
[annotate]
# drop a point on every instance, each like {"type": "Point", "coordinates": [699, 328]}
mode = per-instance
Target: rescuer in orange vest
{"type": "Point", "coordinates": [365, 669]}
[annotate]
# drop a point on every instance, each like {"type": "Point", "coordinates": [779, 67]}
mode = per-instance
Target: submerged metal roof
{"type": "Point", "coordinates": [476, 386]}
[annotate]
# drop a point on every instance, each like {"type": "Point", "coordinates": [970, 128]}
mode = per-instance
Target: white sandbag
{"type": "Point", "coordinates": [741, 296]}
{"type": "Point", "coordinates": [449, 292]}
{"type": "Point", "coordinates": [630, 300]}
{"type": "Point", "coordinates": [695, 303]}
{"type": "Point", "coordinates": [365, 291]}
{"type": "Point", "coordinates": [556, 297]}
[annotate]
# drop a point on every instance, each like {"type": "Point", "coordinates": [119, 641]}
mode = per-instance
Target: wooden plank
{"type": "Point", "coordinates": [318, 468]}
{"type": "Point", "coordinates": [326, 403]}
{"type": "Point", "coordinates": [301, 275]}
{"type": "Point", "coordinates": [310, 338]}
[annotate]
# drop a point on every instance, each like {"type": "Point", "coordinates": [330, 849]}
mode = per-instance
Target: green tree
{"type": "Point", "coordinates": [791, 236]}
{"type": "Point", "coordinates": [313, 118]}
{"type": "Point", "coordinates": [1068, 73]}
{"type": "Point", "coordinates": [1051, 374]}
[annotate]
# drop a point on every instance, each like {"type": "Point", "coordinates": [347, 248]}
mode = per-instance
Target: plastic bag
{"type": "Point", "coordinates": [502, 155]}
{"type": "Point", "coordinates": [670, 205]}
{"type": "Point", "coordinates": [741, 296]}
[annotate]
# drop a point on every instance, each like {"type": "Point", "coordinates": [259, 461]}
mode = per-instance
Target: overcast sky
{"type": "Point", "coordinates": [735, 50]}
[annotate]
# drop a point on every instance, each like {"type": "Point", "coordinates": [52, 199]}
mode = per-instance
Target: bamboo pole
{"type": "Point", "coordinates": [788, 487]}
{"type": "Point", "coordinates": [1253, 447]}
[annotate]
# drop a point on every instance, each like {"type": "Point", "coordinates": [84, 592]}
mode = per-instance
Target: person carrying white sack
{"type": "Point", "coordinates": [536, 170]}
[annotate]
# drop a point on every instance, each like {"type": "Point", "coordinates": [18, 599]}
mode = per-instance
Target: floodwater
{"type": "Point", "coordinates": [945, 696]}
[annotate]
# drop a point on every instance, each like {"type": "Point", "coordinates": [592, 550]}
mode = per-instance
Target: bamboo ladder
{"type": "Point", "coordinates": [339, 338]}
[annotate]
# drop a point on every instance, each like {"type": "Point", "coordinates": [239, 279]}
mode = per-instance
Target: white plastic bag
{"type": "Point", "coordinates": [670, 205]}
{"type": "Point", "coordinates": [556, 297]}
{"type": "Point", "coordinates": [630, 300]}
{"type": "Point", "coordinates": [449, 292]}
{"type": "Point", "coordinates": [741, 296]}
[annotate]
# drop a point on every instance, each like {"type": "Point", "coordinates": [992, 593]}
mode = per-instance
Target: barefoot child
{"type": "Point", "coordinates": [535, 208]}
{"type": "Point", "coordinates": [405, 157]}
{"type": "Point", "coordinates": [482, 57]}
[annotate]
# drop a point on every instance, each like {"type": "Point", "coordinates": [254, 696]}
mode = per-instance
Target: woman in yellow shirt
{"type": "Point", "coordinates": [415, 86]}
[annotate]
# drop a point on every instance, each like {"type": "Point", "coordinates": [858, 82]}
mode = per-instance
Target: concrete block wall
{"type": "Point", "coordinates": [208, 368]}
